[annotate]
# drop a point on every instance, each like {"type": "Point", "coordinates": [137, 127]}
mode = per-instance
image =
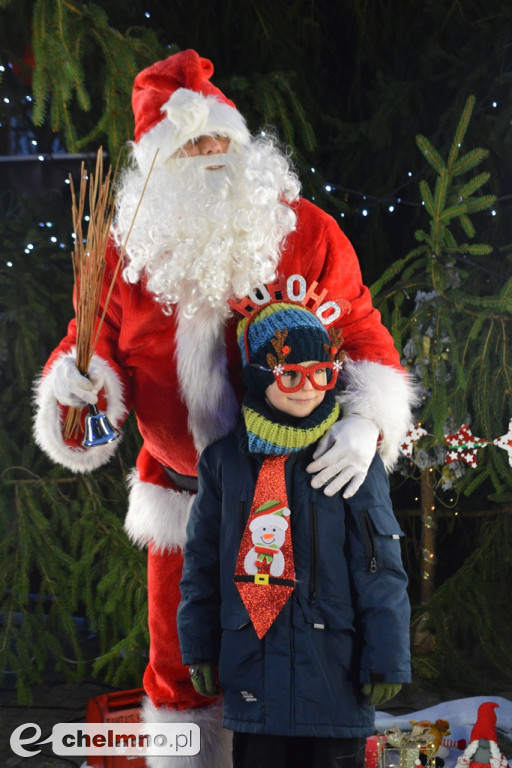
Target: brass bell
{"type": "Point", "coordinates": [98, 429]}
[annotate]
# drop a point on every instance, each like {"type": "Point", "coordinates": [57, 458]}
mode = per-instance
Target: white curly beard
{"type": "Point", "coordinates": [201, 236]}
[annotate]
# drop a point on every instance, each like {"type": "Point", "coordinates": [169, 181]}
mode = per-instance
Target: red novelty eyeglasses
{"type": "Point", "coordinates": [291, 377]}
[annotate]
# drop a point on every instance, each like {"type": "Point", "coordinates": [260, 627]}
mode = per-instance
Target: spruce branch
{"type": "Point", "coordinates": [431, 154]}
{"type": "Point", "coordinates": [460, 131]}
{"type": "Point", "coordinates": [468, 161]}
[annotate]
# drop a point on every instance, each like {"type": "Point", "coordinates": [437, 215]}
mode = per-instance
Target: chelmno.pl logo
{"type": "Point", "coordinates": [110, 739]}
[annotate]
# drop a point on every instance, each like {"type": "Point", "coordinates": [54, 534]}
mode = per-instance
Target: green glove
{"type": "Point", "coordinates": [378, 693]}
{"type": "Point", "coordinates": [202, 677]}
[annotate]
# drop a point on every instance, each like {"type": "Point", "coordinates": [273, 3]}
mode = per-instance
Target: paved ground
{"type": "Point", "coordinates": [58, 703]}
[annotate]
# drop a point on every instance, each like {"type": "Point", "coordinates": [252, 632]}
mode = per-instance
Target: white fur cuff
{"type": "Point", "coordinates": [157, 515]}
{"type": "Point", "coordinates": [216, 741]}
{"type": "Point", "coordinates": [48, 420]}
{"type": "Point", "coordinates": [383, 394]}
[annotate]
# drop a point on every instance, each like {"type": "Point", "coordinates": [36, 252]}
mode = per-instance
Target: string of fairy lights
{"type": "Point", "coordinates": [390, 202]}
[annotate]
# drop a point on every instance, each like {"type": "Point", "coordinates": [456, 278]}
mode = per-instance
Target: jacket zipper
{"type": "Point", "coordinates": [241, 509]}
{"type": "Point", "coordinates": [370, 546]}
{"type": "Point", "coordinates": [313, 538]}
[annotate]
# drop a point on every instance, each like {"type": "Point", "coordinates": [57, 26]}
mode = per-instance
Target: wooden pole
{"type": "Point", "coordinates": [428, 535]}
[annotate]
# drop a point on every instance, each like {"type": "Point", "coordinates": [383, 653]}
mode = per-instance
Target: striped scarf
{"type": "Point", "coordinates": [275, 433]}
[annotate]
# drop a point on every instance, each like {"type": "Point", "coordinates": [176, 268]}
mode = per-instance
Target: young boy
{"type": "Point", "coordinates": [299, 598]}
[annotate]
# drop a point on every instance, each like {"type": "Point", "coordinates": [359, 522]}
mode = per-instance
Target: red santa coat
{"type": "Point", "coordinates": [138, 341]}
{"type": "Point", "coordinates": [163, 370]}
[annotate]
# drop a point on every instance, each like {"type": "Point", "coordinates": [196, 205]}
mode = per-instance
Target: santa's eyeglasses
{"type": "Point", "coordinates": [291, 377]}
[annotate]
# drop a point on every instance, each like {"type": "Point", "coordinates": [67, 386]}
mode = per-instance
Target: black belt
{"type": "Point", "coordinates": [264, 578]}
{"type": "Point", "coordinates": [183, 482]}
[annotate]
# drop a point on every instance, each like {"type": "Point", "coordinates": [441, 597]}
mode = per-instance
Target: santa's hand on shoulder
{"type": "Point", "coordinates": [73, 388]}
{"type": "Point", "coordinates": [343, 456]}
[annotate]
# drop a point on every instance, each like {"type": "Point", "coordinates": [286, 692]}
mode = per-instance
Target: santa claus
{"type": "Point", "coordinates": [218, 218]}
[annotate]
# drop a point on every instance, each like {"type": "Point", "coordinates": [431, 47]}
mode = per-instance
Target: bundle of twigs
{"type": "Point", "coordinates": [89, 266]}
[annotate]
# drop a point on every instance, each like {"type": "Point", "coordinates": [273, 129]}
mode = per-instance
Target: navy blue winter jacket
{"type": "Point", "coordinates": [346, 622]}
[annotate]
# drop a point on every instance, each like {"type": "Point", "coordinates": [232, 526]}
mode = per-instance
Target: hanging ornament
{"type": "Point", "coordinates": [463, 446]}
{"type": "Point", "coordinates": [505, 442]}
{"type": "Point", "coordinates": [414, 433]}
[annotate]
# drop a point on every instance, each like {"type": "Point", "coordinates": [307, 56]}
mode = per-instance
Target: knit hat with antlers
{"type": "Point", "coordinates": [281, 333]}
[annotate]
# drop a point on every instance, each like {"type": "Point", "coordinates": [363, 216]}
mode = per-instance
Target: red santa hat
{"type": "Point", "coordinates": [174, 101]}
{"type": "Point", "coordinates": [485, 726]}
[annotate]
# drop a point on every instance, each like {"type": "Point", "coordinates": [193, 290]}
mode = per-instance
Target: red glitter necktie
{"type": "Point", "coordinates": [264, 575]}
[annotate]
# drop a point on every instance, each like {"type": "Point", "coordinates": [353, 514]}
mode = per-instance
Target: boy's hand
{"type": "Point", "coordinates": [378, 693]}
{"type": "Point", "coordinates": [202, 677]}
{"type": "Point", "coordinates": [343, 456]}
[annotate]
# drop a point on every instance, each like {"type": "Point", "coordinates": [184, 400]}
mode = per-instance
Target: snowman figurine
{"type": "Point", "coordinates": [268, 531]}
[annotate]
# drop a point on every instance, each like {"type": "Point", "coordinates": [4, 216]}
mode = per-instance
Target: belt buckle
{"type": "Point", "coordinates": [261, 578]}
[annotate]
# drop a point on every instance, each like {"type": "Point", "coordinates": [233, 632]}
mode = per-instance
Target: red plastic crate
{"type": "Point", "coordinates": [119, 707]}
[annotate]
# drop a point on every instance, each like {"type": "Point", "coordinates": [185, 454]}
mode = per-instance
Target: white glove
{"type": "Point", "coordinates": [71, 387]}
{"type": "Point", "coordinates": [344, 455]}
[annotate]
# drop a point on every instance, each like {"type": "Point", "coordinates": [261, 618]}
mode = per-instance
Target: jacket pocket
{"type": "Point", "coordinates": [381, 537]}
{"type": "Point", "coordinates": [325, 653]}
{"type": "Point", "coordinates": [322, 614]}
{"type": "Point", "coordinates": [240, 673]}
{"type": "Point", "coordinates": [369, 540]}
